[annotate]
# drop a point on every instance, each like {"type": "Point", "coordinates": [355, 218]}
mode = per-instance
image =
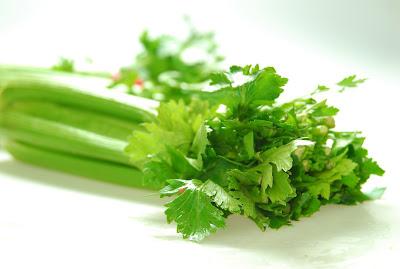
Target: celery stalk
{"type": "Point", "coordinates": [61, 137]}
{"type": "Point", "coordinates": [79, 118]}
{"type": "Point", "coordinates": [81, 166]}
{"type": "Point", "coordinates": [18, 84]}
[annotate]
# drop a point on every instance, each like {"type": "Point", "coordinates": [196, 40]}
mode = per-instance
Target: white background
{"type": "Point", "coordinates": [52, 220]}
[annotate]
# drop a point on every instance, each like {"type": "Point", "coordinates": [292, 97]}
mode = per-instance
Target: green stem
{"type": "Point", "coordinates": [61, 137]}
{"type": "Point", "coordinates": [17, 84]}
{"type": "Point", "coordinates": [79, 118]}
{"type": "Point", "coordinates": [81, 166]}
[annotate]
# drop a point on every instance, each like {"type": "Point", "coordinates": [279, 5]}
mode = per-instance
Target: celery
{"type": "Point", "coordinates": [58, 136]}
{"type": "Point", "coordinates": [79, 118]}
{"type": "Point", "coordinates": [70, 122]}
{"type": "Point", "coordinates": [81, 166]}
{"type": "Point", "coordinates": [19, 84]}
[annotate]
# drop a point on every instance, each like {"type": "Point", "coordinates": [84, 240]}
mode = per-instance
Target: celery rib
{"type": "Point", "coordinates": [81, 166]}
{"type": "Point", "coordinates": [79, 118]}
{"type": "Point", "coordinates": [72, 90]}
{"type": "Point", "coordinates": [58, 136]}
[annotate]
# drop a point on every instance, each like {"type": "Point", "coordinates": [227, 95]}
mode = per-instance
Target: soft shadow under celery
{"type": "Point", "coordinates": [38, 175]}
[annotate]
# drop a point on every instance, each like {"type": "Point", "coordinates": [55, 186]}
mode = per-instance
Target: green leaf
{"type": "Point", "coordinates": [350, 180]}
{"type": "Point", "coordinates": [183, 166]}
{"type": "Point", "coordinates": [345, 139]}
{"type": "Point", "coordinates": [235, 68]}
{"type": "Point", "coordinates": [281, 188]}
{"type": "Point", "coordinates": [155, 173]}
{"type": "Point", "coordinates": [200, 141]}
{"type": "Point", "coordinates": [342, 168]}
{"type": "Point", "coordinates": [247, 205]}
{"type": "Point", "coordinates": [178, 127]}
{"type": "Point", "coordinates": [173, 128]}
{"type": "Point", "coordinates": [262, 87]}
{"type": "Point", "coordinates": [220, 197]}
{"type": "Point", "coordinates": [321, 88]}
{"type": "Point", "coordinates": [266, 87]}
{"type": "Point", "coordinates": [322, 186]}
{"type": "Point", "coordinates": [176, 185]}
{"type": "Point", "coordinates": [246, 69]}
{"type": "Point", "coordinates": [195, 215]}
{"type": "Point", "coordinates": [248, 141]}
{"type": "Point", "coordinates": [276, 222]}
{"type": "Point", "coordinates": [247, 177]}
{"type": "Point", "coordinates": [350, 82]}
{"type": "Point", "coordinates": [194, 196]}
{"type": "Point", "coordinates": [371, 167]}
{"type": "Point", "coordinates": [266, 176]}
{"type": "Point", "coordinates": [312, 206]}
{"type": "Point", "coordinates": [321, 109]}
{"type": "Point", "coordinates": [220, 79]}
{"type": "Point", "coordinates": [280, 156]}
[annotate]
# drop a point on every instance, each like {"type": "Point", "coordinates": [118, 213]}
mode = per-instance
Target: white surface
{"type": "Point", "coordinates": [52, 220]}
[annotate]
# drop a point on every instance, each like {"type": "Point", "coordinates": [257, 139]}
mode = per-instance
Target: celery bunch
{"type": "Point", "coordinates": [233, 150]}
{"type": "Point", "coordinates": [70, 123]}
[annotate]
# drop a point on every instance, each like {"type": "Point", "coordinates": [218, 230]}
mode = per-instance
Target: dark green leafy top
{"type": "Point", "coordinates": [238, 151]}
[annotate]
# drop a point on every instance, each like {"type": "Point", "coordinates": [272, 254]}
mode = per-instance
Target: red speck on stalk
{"type": "Point", "coordinates": [139, 82]}
{"type": "Point", "coordinates": [181, 190]}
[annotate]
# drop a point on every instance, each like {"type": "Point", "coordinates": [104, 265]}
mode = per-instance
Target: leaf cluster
{"type": "Point", "coordinates": [238, 151]}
